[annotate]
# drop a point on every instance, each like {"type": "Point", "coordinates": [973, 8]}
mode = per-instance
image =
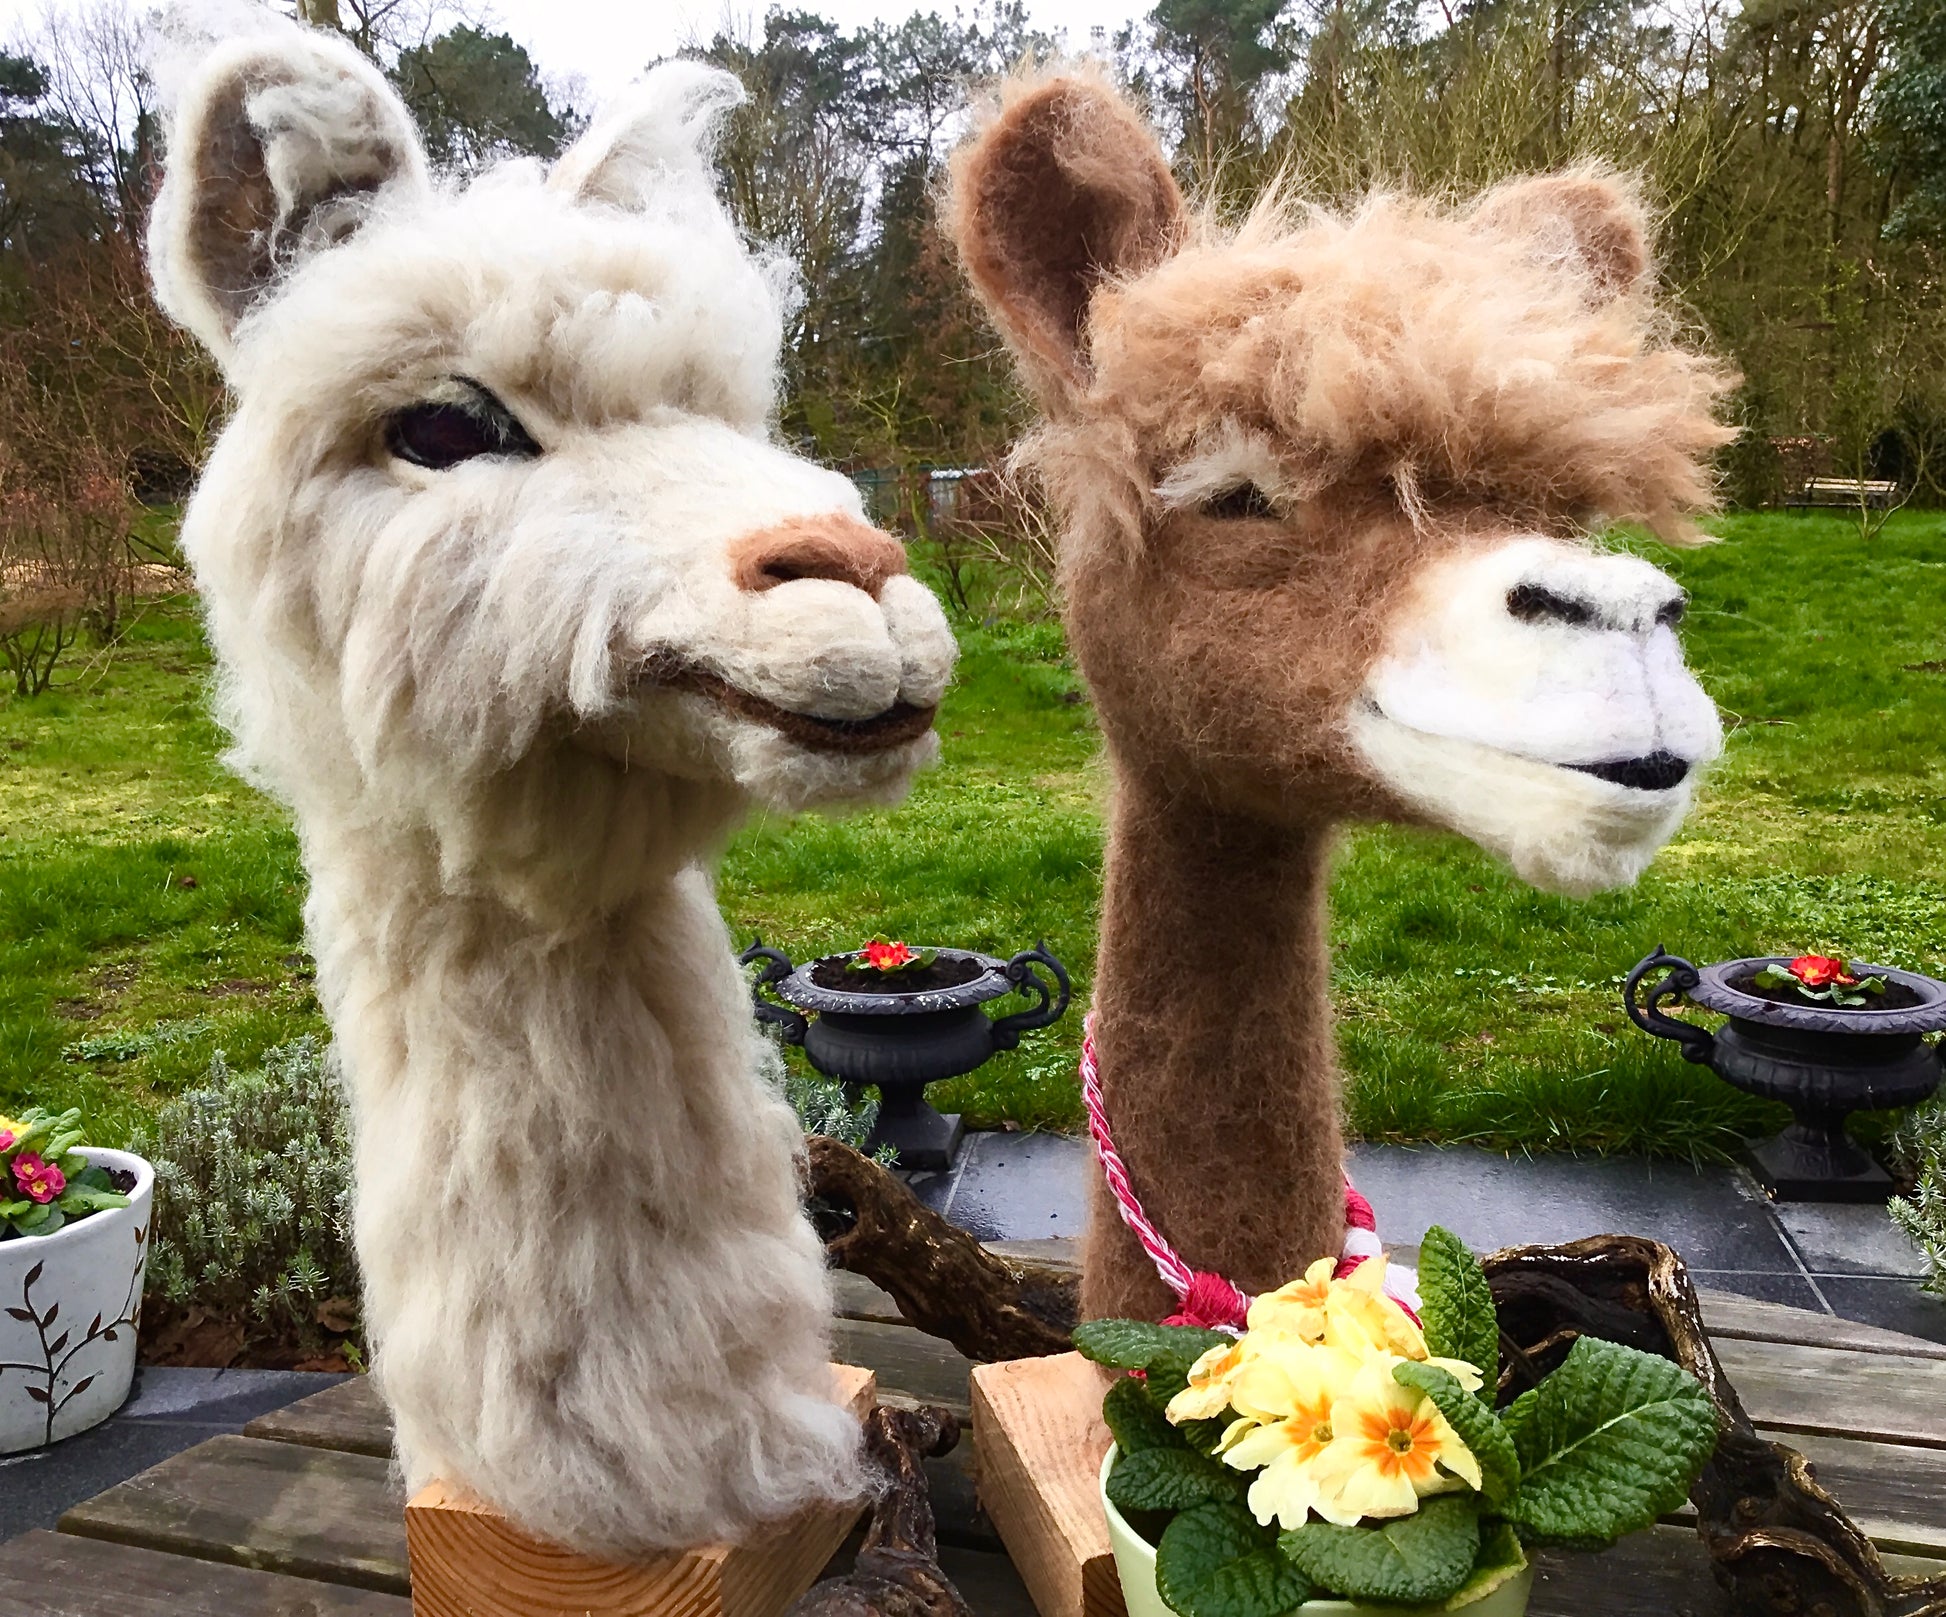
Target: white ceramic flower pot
{"type": "Point", "coordinates": [69, 1303]}
{"type": "Point", "coordinates": [1135, 1565]}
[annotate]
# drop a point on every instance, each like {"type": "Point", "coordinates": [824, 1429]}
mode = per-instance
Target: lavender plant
{"type": "Point", "coordinates": [1920, 1146]}
{"type": "Point", "coordinates": [253, 1189]}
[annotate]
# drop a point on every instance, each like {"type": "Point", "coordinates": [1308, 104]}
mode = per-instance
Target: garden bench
{"type": "Point", "coordinates": [1818, 493]}
{"type": "Point", "coordinates": [300, 1513]}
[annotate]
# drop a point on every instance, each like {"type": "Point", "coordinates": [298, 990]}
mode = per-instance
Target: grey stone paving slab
{"type": "Point", "coordinates": [1851, 1261]}
{"type": "Point", "coordinates": [1897, 1305]}
{"type": "Point", "coordinates": [1794, 1290]}
{"type": "Point", "coordinates": [1837, 1239]}
{"type": "Point", "coordinates": [1716, 1217]}
{"type": "Point", "coordinates": [168, 1411]}
{"type": "Point", "coordinates": [1013, 1187]}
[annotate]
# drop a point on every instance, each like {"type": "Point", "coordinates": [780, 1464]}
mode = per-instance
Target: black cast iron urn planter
{"type": "Point", "coordinates": [903, 1041]}
{"type": "Point", "coordinates": [1822, 1061]}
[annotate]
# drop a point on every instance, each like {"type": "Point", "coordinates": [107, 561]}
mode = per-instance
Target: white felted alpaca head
{"type": "Point", "coordinates": [501, 455]}
{"type": "Point", "coordinates": [519, 605]}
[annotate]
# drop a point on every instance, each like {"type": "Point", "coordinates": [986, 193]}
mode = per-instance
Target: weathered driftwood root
{"type": "Point", "coordinates": [1780, 1544]}
{"type": "Point", "coordinates": [897, 1573]}
{"type": "Point", "coordinates": [943, 1280]}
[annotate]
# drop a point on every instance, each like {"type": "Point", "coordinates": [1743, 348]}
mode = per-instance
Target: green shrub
{"type": "Point", "coordinates": [1920, 1146]}
{"type": "Point", "coordinates": [822, 1106]}
{"type": "Point", "coordinates": [253, 1189]}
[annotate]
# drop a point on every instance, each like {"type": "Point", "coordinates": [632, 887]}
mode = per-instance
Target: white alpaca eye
{"type": "Point", "coordinates": [1244, 502]}
{"type": "Point", "coordinates": [437, 435]}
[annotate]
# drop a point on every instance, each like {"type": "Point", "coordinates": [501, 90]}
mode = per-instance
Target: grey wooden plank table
{"type": "Point", "coordinates": [301, 1516]}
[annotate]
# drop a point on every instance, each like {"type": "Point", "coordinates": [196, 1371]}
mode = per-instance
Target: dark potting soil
{"type": "Point", "coordinates": [1897, 997]}
{"type": "Point", "coordinates": [123, 1179]}
{"type": "Point", "coordinates": [944, 972]}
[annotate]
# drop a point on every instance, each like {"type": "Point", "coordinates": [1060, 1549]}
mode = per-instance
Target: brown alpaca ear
{"type": "Point", "coordinates": [1065, 188]}
{"type": "Point", "coordinates": [1591, 221]}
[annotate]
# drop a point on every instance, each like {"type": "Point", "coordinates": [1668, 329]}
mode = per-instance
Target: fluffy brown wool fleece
{"type": "Point", "coordinates": [1406, 380]}
{"type": "Point", "coordinates": [1214, 1037]}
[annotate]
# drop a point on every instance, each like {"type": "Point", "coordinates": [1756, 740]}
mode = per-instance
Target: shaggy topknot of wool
{"type": "Point", "coordinates": [1414, 344]}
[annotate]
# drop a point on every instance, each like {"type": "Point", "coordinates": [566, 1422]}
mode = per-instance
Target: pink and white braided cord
{"type": "Point", "coordinates": [1207, 1298]}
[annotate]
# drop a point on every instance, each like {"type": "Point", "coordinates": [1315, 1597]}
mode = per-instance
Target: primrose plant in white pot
{"type": "Point", "coordinates": [1345, 1457]}
{"type": "Point", "coordinates": [74, 1230]}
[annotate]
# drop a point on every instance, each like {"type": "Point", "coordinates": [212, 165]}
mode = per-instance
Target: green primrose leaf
{"type": "Point", "coordinates": [1170, 1479]}
{"type": "Point", "coordinates": [1474, 1423]}
{"type": "Point", "coordinates": [1457, 1307]}
{"type": "Point", "coordinates": [55, 1219]}
{"type": "Point", "coordinates": [1500, 1561]}
{"type": "Point", "coordinates": [14, 1209]}
{"type": "Point", "coordinates": [1609, 1442]}
{"type": "Point", "coordinates": [29, 1138]}
{"type": "Point", "coordinates": [1425, 1556]}
{"type": "Point", "coordinates": [1215, 1561]}
{"type": "Point", "coordinates": [1133, 1344]}
{"type": "Point", "coordinates": [1137, 1420]}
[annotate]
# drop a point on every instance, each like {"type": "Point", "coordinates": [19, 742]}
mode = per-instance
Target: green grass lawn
{"type": "Point", "coordinates": [149, 903]}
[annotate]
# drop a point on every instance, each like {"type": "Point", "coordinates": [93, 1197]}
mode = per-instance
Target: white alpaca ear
{"type": "Point", "coordinates": [279, 145]}
{"type": "Point", "coordinates": [661, 132]}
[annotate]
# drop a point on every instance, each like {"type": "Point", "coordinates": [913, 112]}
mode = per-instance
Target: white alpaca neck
{"type": "Point", "coordinates": [547, 1114]}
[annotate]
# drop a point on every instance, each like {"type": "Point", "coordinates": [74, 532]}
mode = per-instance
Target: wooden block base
{"type": "Point", "coordinates": [1038, 1442]}
{"type": "Point", "coordinates": [470, 1561]}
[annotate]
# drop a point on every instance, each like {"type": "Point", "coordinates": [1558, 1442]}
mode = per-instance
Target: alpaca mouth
{"type": "Point", "coordinates": [898, 724]}
{"type": "Point", "coordinates": [1657, 772]}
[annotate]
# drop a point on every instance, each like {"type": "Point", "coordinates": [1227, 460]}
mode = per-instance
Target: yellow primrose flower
{"type": "Point", "coordinates": [1389, 1447]}
{"type": "Point", "coordinates": [1297, 1309]}
{"type": "Point", "coordinates": [1208, 1392]}
{"type": "Point", "coordinates": [1363, 1320]}
{"type": "Point", "coordinates": [1291, 1398]}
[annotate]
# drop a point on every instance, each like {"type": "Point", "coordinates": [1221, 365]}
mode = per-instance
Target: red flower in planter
{"type": "Point", "coordinates": [1820, 970]}
{"type": "Point", "coordinates": [41, 1180]}
{"type": "Point", "coordinates": [883, 956]}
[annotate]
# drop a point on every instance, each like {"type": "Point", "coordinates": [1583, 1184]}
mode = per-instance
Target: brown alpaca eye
{"type": "Point", "coordinates": [1244, 502]}
{"type": "Point", "coordinates": [441, 435]}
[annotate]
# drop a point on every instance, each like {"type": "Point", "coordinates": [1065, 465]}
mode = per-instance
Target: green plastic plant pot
{"type": "Point", "coordinates": [1135, 1566]}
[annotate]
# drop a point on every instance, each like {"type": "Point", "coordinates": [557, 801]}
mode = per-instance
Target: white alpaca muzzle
{"type": "Point", "coordinates": [1534, 699]}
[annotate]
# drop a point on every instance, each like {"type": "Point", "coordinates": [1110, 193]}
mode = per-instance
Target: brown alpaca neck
{"type": "Point", "coordinates": [1213, 1031]}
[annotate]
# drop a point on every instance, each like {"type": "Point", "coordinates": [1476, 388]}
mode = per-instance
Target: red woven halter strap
{"type": "Point", "coordinates": [1208, 1299]}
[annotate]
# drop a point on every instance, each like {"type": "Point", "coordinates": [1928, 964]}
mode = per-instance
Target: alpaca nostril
{"type": "Point", "coordinates": [1535, 603]}
{"type": "Point", "coordinates": [837, 548]}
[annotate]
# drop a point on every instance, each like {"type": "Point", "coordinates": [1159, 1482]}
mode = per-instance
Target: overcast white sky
{"type": "Point", "coordinates": [607, 42]}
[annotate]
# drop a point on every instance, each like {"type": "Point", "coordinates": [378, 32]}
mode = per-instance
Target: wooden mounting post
{"type": "Point", "coordinates": [470, 1561]}
{"type": "Point", "coordinates": [1038, 1442]}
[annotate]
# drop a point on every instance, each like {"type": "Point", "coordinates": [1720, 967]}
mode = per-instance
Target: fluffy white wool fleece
{"type": "Point", "coordinates": [594, 1298]}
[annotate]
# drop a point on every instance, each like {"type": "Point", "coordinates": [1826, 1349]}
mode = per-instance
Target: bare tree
{"type": "Point", "coordinates": [95, 56]}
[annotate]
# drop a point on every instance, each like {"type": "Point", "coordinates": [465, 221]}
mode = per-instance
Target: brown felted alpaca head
{"type": "Point", "coordinates": [1326, 482]}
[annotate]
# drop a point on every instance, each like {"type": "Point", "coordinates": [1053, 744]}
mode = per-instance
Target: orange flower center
{"type": "Point", "coordinates": [1401, 1444]}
